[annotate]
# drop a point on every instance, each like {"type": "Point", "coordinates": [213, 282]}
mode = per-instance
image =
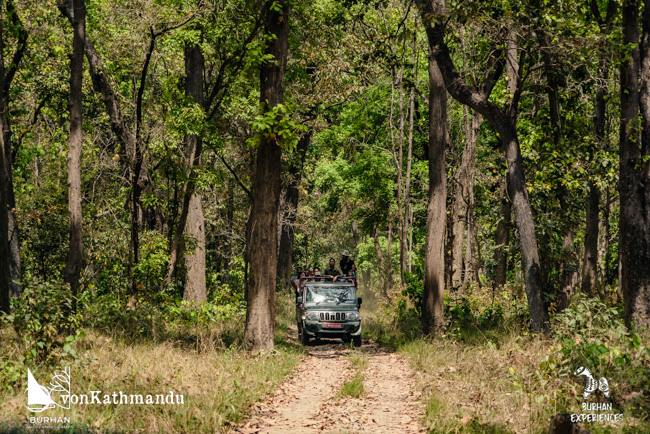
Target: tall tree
{"type": "Point", "coordinates": [75, 255]}
{"type": "Point", "coordinates": [10, 148]}
{"type": "Point", "coordinates": [292, 194]}
{"type": "Point", "coordinates": [434, 252]}
{"type": "Point", "coordinates": [263, 244]}
{"type": "Point", "coordinates": [504, 122]}
{"type": "Point", "coordinates": [191, 222]}
{"type": "Point", "coordinates": [590, 260]}
{"type": "Point", "coordinates": [5, 276]}
{"type": "Point", "coordinates": [634, 166]}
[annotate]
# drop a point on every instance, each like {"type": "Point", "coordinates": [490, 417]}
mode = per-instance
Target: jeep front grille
{"type": "Point", "coordinates": [332, 316]}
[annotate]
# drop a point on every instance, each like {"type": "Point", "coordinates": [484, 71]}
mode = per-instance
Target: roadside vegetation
{"type": "Point", "coordinates": [158, 347]}
{"type": "Point", "coordinates": [488, 373]}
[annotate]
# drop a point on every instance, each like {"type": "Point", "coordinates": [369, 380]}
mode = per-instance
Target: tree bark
{"type": "Point", "coordinates": [464, 202]}
{"type": "Point", "coordinates": [191, 220]}
{"type": "Point", "coordinates": [7, 75]}
{"type": "Point", "coordinates": [504, 122]}
{"type": "Point", "coordinates": [434, 258]}
{"type": "Point", "coordinates": [502, 235]}
{"type": "Point", "coordinates": [590, 261]}
{"type": "Point", "coordinates": [365, 274]}
{"type": "Point", "coordinates": [287, 235]}
{"type": "Point", "coordinates": [75, 255]}
{"type": "Point", "coordinates": [195, 287]}
{"type": "Point", "coordinates": [260, 297]}
{"type": "Point", "coordinates": [634, 181]}
{"type": "Point", "coordinates": [380, 263]}
{"type": "Point", "coordinates": [5, 276]}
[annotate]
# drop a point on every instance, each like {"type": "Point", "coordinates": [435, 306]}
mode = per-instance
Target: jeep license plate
{"type": "Point", "coordinates": [332, 325]}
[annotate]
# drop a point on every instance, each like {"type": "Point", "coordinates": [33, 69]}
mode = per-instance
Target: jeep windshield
{"type": "Point", "coordinates": [329, 294]}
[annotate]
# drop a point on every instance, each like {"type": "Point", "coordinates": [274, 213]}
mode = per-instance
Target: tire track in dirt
{"type": "Point", "coordinates": [308, 401]}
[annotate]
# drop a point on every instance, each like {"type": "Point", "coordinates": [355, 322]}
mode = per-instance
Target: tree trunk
{"type": "Point", "coordinates": [502, 236]}
{"type": "Point", "coordinates": [504, 122]}
{"type": "Point", "coordinates": [285, 255]}
{"type": "Point", "coordinates": [365, 274]}
{"type": "Point", "coordinates": [634, 181]}
{"type": "Point", "coordinates": [434, 258]}
{"type": "Point", "coordinates": [380, 263]}
{"type": "Point", "coordinates": [191, 220]}
{"type": "Point", "coordinates": [260, 311]}
{"type": "Point", "coordinates": [389, 256]}
{"type": "Point", "coordinates": [590, 264]}
{"type": "Point", "coordinates": [459, 211]}
{"type": "Point", "coordinates": [75, 256]}
{"type": "Point", "coordinates": [129, 144]}
{"type": "Point", "coordinates": [195, 286]}
{"type": "Point", "coordinates": [464, 201]}
{"type": "Point", "coordinates": [5, 276]}
{"type": "Point", "coordinates": [590, 274]}
{"type": "Point", "coordinates": [15, 287]}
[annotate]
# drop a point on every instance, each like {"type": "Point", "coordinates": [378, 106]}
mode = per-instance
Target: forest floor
{"type": "Point", "coordinates": [337, 388]}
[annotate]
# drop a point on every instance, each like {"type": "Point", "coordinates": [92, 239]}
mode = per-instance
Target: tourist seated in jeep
{"type": "Point", "coordinates": [331, 271]}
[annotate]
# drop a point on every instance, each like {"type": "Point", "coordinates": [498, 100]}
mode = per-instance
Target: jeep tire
{"type": "Point", "coordinates": [357, 341]}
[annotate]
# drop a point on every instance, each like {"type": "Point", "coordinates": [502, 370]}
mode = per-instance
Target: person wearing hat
{"type": "Point", "coordinates": [346, 263]}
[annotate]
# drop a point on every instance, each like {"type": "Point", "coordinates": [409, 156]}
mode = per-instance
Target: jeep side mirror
{"type": "Point", "coordinates": [299, 299]}
{"type": "Point", "coordinates": [359, 302]}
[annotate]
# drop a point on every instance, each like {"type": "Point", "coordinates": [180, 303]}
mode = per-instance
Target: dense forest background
{"type": "Point", "coordinates": [175, 160]}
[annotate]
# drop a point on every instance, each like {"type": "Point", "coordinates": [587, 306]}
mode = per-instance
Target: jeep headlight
{"type": "Point", "coordinates": [312, 316]}
{"type": "Point", "coordinates": [353, 316]}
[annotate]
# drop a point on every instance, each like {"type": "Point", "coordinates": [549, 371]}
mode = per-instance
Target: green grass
{"type": "Point", "coordinates": [353, 388]}
{"type": "Point", "coordinates": [358, 360]}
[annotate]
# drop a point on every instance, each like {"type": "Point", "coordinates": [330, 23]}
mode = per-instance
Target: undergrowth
{"type": "Point", "coordinates": [151, 344]}
{"type": "Point", "coordinates": [488, 373]}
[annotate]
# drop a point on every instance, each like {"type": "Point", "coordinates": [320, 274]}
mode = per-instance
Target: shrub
{"type": "Point", "coordinates": [44, 319]}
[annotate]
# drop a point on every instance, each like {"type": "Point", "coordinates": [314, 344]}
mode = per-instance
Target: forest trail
{"type": "Point", "coordinates": [309, 400]}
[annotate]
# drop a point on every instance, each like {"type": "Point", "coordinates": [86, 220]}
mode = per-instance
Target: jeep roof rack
{"type": "Point", "coordinates": [328, 278]}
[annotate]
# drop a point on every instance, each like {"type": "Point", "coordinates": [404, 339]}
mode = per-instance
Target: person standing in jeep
{"type": "Point", "coordinates": [346, 263]}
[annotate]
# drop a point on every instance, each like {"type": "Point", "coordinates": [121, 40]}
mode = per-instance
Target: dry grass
{"type": "Point", "coordinates": [486, 385]}
{"type": "Point", "coordinates": [219, 385]}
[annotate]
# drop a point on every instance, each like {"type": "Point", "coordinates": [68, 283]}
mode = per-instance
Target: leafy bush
{"type": "Point", "coordinates": [44, 319]}
{"type": "Point", "coordinates": [593, 335]}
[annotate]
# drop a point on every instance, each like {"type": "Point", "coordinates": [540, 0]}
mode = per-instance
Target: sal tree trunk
{"type": "Point", "coordinates": [5, 278]}
{"type": "Point", "coordinates": [75, 256]}
{"type": "Point", "coordinates": [191, 220]}
{"type": "Point", "coordinates": [8, 146]}
{"type": "Point", "coordinates": [263, 246]}
{"type": "Point", "coordinates": [502, 236]}
{"type": "Point", "coordinates": [504, 122]}
{"type": "Point", "coordinates": [287, 235]}
{"type": "Point", "coordinates": [434, 258]}
{"type": "Point", "coordinates": [634, 183]}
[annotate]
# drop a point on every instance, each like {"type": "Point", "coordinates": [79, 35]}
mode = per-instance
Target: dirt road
{"type": "Point", "coordinates": [309, 401]}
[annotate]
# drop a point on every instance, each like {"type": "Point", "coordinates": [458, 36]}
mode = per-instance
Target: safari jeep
{"type": "Point", "coordinates": [329, 309]}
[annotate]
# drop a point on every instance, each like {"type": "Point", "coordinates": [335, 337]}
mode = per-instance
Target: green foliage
{"type": "Point", "coordinates": [276, 124]}
{"type": "Point", "coordinates": [44, 319]}
{"type": "Point", "coordinates": [150, 271]}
